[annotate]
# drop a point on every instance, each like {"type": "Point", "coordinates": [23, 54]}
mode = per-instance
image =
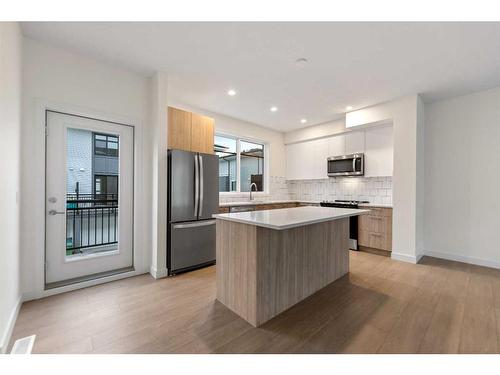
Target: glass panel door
{"type": "Point", "coordinates": [89, 206]}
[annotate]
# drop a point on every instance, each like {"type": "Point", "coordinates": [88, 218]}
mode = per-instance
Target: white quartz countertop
{"type": "Point", "coordinates": [261, 201]}
{"type": "Point", "coordinates": [285, 218]}
{"type": "Point", "coordinates": [375, 205]}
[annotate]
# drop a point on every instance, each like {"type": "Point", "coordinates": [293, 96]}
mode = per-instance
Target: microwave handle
{"type": "Point", "coordinates": [354, 164]}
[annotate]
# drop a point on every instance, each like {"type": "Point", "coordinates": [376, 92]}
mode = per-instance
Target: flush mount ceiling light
{"type": "Point", "coordinates": [231, 92]}
{"type": "Point", "coordinates": [348, 108]}
{"type": "Point", "coordinates": [301, 62]}
{"type": "Point", "coordinates": [303, 121]}
{"type": "Point", "coordinates": [273, 109]}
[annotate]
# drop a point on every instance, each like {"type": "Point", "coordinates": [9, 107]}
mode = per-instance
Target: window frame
{"type": "Point", "coordinates": [108, 141]}
{"type": "Point", "coordinates": [238, 164]}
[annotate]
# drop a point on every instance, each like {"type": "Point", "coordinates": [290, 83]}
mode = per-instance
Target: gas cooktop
{"type": "Point", "coordinates": [342, 203]}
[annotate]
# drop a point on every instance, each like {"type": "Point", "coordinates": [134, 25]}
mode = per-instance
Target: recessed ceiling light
{"type": "Point", "coordinates": [303, 121]}
{"type": "Point", "coordinates": [301, 62]}
{"type": "Point", "coordinates": [348, 108]}
{"type": "Point", "coordinates": [273, 109]}
{"type": "Point", "coordinates": [231, 92]}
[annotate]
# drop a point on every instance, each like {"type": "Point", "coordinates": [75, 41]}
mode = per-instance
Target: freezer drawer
{"type": "Point", "coordinates": [191, 244]}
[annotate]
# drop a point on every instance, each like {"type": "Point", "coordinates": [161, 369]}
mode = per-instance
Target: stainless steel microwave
{"type": "Point", "coordinates": [346, 165]}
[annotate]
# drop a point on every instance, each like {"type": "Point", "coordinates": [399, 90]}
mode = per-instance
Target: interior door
{"type": "Point", "coordinates": [209, 185]}
{"type": "Point", "coordinates": [89, 198]}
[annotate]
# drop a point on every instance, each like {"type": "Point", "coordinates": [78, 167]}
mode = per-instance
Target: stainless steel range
{"type": "Point", "coordinates": [353, 220]}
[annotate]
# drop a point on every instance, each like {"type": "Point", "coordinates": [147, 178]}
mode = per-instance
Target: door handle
{"type": "Point", "coordinates": [54, 212]}
{"type": "Point", "coordinates": [195, 225]}
{"type": "Point", "coordinates": [196, 185]}
{"type": "Point", "coordinates": [202, 186]}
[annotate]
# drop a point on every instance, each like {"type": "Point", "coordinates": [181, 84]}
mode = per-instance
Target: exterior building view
{"type": "Point", "coordinates": [92, 192]}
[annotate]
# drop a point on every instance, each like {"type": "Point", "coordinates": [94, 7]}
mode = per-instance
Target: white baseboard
{"type": "Point", "coordinates": [158, 274]}
{"type": "Point", "coordinates": [464, 259]}
{"type": "Point", "coordinates": [6, 336]}
{"type": "Point", "coordinates": [406, 258]}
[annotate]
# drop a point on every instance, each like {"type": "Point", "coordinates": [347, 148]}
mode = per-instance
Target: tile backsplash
{"type": "Point", "coordinates": [278, 190]}
{"type": "Point", "coordinates": [376, 190]}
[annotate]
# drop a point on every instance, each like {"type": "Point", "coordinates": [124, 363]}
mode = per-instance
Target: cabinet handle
{"type": "Point", "coordinates": [203, 223]}
{"type": "Point", "coordinates": [376, 234]}
{"type": "Point", "coordinates": [375, 218]}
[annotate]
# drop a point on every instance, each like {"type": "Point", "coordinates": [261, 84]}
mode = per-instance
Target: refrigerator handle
{"type": "Point", "coordinates": [196, 184]}
{"type": "Point", "coordinates": [202, 186]}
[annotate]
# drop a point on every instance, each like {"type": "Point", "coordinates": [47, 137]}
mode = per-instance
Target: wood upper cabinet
{"type": "Point", "coordinates": [179, 129]}
{"type": "Point", "coordinates": [190, 131]}
{"type": "Point", "coordinates": [202, 134]}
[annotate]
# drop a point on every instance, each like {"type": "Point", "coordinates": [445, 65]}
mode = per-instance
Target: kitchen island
{"type": "Point", "coordinates": [267, 261]}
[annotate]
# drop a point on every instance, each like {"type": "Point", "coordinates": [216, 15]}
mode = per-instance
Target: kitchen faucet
{"type": "Point", "coordinates": [251, 186]}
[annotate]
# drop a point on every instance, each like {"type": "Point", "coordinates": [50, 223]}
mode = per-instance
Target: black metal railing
{"type": "Point", "coordinates": [91, 220]}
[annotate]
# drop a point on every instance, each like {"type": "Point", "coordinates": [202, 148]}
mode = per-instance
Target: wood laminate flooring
{"type": "Point", "coordinates": [381, 306]}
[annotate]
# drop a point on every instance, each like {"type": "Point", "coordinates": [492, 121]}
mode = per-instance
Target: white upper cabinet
{"type": "Point", "coordinates": [321, 150]}
{"type": "Point", "coordinates": [308, 160]}
{"type": "Point", "coordinates": [293, 159]}
{"type": "Point", "coordinates": [336, 145]}
{"type": "Point", "coordinates": [378, 152]}
{"type": "Point", "coordinates": [354, 142]}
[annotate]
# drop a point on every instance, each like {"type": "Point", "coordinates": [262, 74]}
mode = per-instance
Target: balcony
{"type": "Point", "coordinates": [91, 223]}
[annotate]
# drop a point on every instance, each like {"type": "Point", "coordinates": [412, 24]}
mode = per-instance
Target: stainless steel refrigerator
{"type": "Point", "coordinates": [193, 197]}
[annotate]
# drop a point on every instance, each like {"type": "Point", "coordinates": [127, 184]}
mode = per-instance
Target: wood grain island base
{"type": "Point", "coordinates": [262, 271]}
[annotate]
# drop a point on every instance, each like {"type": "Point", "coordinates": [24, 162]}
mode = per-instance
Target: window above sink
{"type": "Point", "coordinates": [241, 163]}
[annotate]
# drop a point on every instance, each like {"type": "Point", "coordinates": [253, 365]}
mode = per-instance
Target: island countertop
{"type": "Point", "coordinates": [286, 218]}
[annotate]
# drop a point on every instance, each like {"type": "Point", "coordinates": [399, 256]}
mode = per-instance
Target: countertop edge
{"type": "Point", "coordinates": [288, 226]}
{"type": "Point", "coordinates": [375, 205]}
{"type": "Point", "coordinates": [278, 201]}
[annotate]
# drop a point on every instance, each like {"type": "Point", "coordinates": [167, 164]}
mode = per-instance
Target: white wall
{"type": "Point", "coordinates": [316, 131]}
{"type": "Point", "coordinates": [233, 126]}
{"type": "Point", "coordinates": [420, 192]}
{"type": "Point", "coordinates": [462, 178]}
{"type": "Point", "coordinates": [58, 77]}
{"type": "Point", "coordinates": [10, 166]}
{"type": "Point", "coordinates": [159, 175]}
{"type": "Point", "coordinates": [406, 116]}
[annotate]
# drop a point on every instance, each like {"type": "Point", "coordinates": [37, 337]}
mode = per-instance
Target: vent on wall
{"type": "Point", "coordinates": [24, 345]}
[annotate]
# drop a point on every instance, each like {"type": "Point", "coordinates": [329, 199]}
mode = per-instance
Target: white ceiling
{"type": "Point", "coordinates": [357, 64]}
